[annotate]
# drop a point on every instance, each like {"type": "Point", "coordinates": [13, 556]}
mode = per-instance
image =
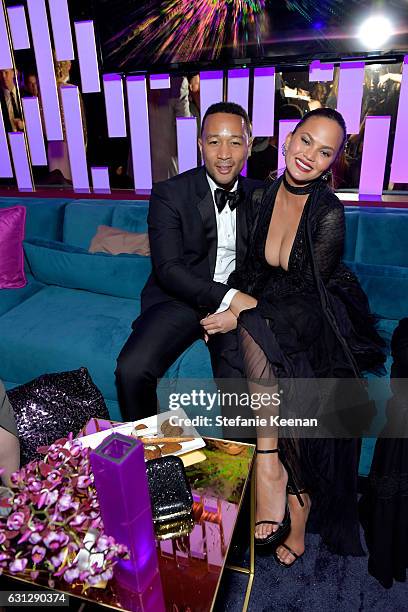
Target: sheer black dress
{"type": "Point", "coordinates": [311, 322]}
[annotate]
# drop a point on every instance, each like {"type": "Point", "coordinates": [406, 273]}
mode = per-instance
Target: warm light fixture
{"type": "Point", "coordinates": [375, 31]}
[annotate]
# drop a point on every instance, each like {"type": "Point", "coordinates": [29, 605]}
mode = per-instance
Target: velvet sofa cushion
{"type": "Point", "coordinates": [9, 298]}
{"type": "Point", "coordinates": [82, 218]}
{"type": "Point", "coordinates": [81, 221]}
{"type": "Point", "coordinates": [386, 288]}
{"type": "Point", "coordinates": [56, 263]}
{"type": "Point", "coordinates": [44, 215]}
{"type": "Point", "coordinates": [382, 239]}
{"type": "Point", "coordinates": [12, 223]}
{"type": "Point", "coordinates": [132, 218]}
{"type": "Point", "coordinates": [351, 234]}
{"type": "Point", "coordinates": [385, 328]}
{"type": "Point", "coordinates": [63, 329]}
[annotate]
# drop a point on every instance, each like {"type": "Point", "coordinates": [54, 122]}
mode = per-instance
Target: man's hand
{"type": "Point", "coordinates": [219, 323]}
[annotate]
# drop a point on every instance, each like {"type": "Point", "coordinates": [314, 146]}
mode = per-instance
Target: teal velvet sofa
{"type": "Point", "coordinates": [77, 308]}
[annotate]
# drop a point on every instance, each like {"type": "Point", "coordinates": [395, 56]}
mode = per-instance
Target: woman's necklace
{"type": "Point", "coordinates": [300, 190]}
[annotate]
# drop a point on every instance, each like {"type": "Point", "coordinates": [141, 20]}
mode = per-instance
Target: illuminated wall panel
{"type": "Point", "coordinates": [350, 95]}
{"type": "Point", "coordinates": [139, 131]}
{"type": "Point", "coordinates": [374, 155]}
{"type": "Point", "coordinates": [45, 68]}
{"type": "Point", "coordinates": [61, 27]}
{"type": "Point", "coordinates": [18, 27]}
{"type": "Point", "coordinates": [20, 161]}
{"type": "Point", "coordinates": [75, 138]}
{"type": "Point", "coordinates": [263, 107]}
{"type": "Point", "coordinates": [114, 105]}
{"type": "Point", "coordinates": [34, 130]}
{"type": "Point", "coordinates": [187, 143]}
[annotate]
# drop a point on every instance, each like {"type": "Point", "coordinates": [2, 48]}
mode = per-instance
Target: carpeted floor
{"type": "Point", "coordinates": [318, 582]}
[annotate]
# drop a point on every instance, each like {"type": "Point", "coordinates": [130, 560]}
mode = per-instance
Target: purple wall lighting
{"type": "Point", "coordinates": [159, 81]}
{"type": "Point", "coordinates": [399, 164]}
{"type": "Point", "coordinates": [139, 131]}
{"type": "Point", "coordinates": [34, 131]}
{"type": "Point", "coordinates": [238, 87]}
{"type": "Point", "coordinates": [18, 27]}
{"type": "Point", "coordinates": [88, 61]}
{"type": "Point", "coordinates": [6, 171]}
{"type": "Point", "coordinates": [374, 156]}
{"type": "Point", "coordinates": [45, 68]}
{"type": "Point", "coordinates": [285, 126]}
{"type": "Point", "coordinates": [187, 143]}
{"type": "Point", "coordinates": [61, 27]}
{"type": "Point", "coordinates": [263, 102]}
{"type": "Point", "coordinates": [114, 105]}
{"type": "Point", "coordinates": [75, 138]}
{"type": "Point", "coordinates": [320, 72]}
{"type": "Point", "coordinates": [5, 54]}
{"type": "Point", "coordinates": [211, 86]}
{"type": "Point", "coordinates": [20, 161]}
{"type": "Point", "coordinates": [350, 94]}
{"type": "Point", "coordinates": [100, 179]}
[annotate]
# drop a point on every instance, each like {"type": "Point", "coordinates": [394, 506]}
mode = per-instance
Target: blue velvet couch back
{"type": "Point", "coordinates": [59, 324]}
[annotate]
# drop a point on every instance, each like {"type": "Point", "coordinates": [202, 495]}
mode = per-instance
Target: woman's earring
{"type": "Point", "coordinates": [327, 175]}
{"type": "Point", "coordinates": [283, 149]}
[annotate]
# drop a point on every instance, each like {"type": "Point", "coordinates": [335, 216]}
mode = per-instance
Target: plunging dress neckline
{"type": "Point", "coordinates": [268, 218]}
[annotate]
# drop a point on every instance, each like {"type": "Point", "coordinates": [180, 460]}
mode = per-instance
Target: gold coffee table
{"type": "Point", "coordinates": [190, 566]}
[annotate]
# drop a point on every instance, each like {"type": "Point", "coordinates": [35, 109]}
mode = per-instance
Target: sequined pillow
{"type": "Point", "coordinates": [12, 223]}
{"type": "Point", "coordinates": [51, 406]}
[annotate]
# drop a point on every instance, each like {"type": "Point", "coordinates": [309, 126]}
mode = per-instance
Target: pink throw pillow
{"type": "Point", "coordinates": [12, 223]}
{"type": "Point", "coordinates": [114, 241]}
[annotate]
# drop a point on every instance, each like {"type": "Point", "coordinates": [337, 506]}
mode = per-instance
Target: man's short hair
{"type": "Point", "coordinates": [227, 107]}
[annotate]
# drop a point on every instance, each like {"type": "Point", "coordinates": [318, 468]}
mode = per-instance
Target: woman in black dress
{"type": "Point", "coordinates": [302, 316]}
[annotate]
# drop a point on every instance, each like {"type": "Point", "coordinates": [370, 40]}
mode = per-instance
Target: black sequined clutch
{"type": "Point", "coordinates": [51, 406]}
{"type": "Point", "coordinates": [170, 492]}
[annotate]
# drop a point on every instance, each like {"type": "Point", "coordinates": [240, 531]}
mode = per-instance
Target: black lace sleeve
{"type": "Point", "coordinates": [328, 241]}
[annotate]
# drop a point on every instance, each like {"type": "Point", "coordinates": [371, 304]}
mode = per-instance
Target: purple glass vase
{"type": "Point", "coordinates": [121, 483]}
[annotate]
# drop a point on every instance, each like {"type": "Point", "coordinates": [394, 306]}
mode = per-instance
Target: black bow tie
{"type": "Point", "coordinates": [223, 197]}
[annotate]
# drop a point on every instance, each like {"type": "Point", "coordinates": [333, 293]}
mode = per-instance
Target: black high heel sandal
{"type": "Point", "coordinates": [283, 527]}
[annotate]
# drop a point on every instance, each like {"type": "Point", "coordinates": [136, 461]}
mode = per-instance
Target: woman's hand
{"type": "Point", "coordinates": [219, 323]}
{"type": "Point", "coordinates": [242, 301]}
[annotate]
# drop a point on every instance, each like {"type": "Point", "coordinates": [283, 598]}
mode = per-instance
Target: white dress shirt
{"type": "Point", "coordinates": [226, 245]}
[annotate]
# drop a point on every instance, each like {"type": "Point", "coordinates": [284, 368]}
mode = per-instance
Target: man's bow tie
{"type": "Point", "coordinates": [223, 197]}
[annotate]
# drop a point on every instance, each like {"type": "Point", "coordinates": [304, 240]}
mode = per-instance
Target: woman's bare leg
{"type": "Point", "coordinates": [271, 476]}
{"type": "Point", "coordinates": [9, 455]}
{"type": "Point", "coordinates": [296, 537]}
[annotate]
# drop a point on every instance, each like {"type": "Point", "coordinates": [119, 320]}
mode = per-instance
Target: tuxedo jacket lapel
{"type": "Point", "coordinates": [206, 209]}
{"type": "Point", "coordinates": [6, 118]}
{"type": "Point", "coordinates": [241, 234]}
{"type": "Point", "coordinates": [242, 228]}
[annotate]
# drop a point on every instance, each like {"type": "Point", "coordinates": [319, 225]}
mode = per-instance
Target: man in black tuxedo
{"type": "Point", "coordinates": [9, 102]}
{"type": "Point", "coordinates": [198, 235]}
